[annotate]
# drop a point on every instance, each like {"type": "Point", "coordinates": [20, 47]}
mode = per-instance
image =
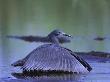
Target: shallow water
{"type": "Point", "coordinates": [100, 73]}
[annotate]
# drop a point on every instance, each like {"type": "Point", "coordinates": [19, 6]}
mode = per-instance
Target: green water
{"type": "Point", "coordinates": [80, 18]}
{"type": "Point", "coordinates": [84, 19]}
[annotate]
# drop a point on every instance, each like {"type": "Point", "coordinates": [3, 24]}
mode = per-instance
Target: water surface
{"type": "Point", "coordinates": [100, 73]}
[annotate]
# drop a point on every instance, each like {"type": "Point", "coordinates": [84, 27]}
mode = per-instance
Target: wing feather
{"type": "Point", "coordinates": [54, 58]}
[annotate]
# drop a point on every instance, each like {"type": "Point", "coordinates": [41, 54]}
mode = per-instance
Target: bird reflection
{"type": "Point", "coordinates": [49, 77]}
{"type": "Point", "coordinates": [51, 57]}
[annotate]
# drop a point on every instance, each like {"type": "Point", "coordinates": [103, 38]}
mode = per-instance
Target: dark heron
{"type": "Point", "coordinates": [52, 56]}
{"type": "Point", "coordinates": [55, 36]}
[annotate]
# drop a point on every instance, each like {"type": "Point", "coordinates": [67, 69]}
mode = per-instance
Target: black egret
{"type": "Point", "coordinates": [51, 56]}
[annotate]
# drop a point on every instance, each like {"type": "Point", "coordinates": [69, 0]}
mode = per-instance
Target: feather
{"type": "Point", "coordinates": [55, 57]}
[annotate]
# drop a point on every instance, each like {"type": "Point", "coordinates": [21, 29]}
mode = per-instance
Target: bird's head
{"type": "Point", "coordinates": [60, 36]}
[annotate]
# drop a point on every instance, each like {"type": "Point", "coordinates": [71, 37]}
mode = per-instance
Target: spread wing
{"type": "Point", "coordinates": [54, 57]}
{"type": "Point", "coordinates": [81, 60]}
{"type": "Point", "coordinates": [21, 62]}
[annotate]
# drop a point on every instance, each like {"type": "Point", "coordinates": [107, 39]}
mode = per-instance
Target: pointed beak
{"type": "Point", "coordinates": [68, 35]}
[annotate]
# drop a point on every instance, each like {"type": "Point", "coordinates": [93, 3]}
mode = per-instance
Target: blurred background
{"type": "Point", "coordinates": [84, 19]}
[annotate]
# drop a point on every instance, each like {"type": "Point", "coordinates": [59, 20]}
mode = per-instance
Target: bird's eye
{"type": "Point", "coordinates": [56, 34]}
{"type": "Point", "coordinates": [59, 32]}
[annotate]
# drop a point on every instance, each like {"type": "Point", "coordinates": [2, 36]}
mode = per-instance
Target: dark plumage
{"type": "Point", "coordinates": [50, 57]}
{"type": "Point", "coordinates": [55, 36]}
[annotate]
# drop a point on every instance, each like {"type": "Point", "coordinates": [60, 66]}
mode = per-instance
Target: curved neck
{"type": "Point", "coordinates": [53, 39]}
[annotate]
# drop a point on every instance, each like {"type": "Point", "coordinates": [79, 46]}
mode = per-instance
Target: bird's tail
{"type": "Point", "coordinates": [18, 63]}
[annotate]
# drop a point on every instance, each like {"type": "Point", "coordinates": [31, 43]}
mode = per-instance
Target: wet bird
{"type": "Point", "coordinates": [52, 56]}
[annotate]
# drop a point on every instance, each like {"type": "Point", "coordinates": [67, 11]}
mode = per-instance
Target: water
{"type": "Point", "coordinates": [84, 19]}
{"type": "Point", "coordinates": [100, 73]}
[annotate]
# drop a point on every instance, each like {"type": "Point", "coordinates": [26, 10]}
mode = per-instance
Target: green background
{"type": "Point", "coordinates": [84, 19]}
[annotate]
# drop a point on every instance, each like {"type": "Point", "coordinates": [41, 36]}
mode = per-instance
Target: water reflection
{"type": "Point", "coordinates": [49, 78]}
{"type": "Point", "coordinates": [100, 73]}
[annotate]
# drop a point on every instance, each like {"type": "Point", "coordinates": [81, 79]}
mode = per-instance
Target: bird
{"type": "Point", "coordinates": [51, 56]}
{"type": "Point", "coordinates": [51, 38]}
